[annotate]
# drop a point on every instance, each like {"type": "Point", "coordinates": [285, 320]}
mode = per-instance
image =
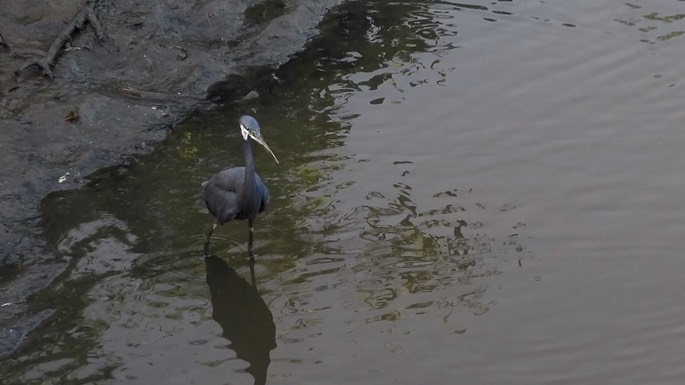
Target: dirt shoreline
{"type": "Point", "coordinates": [112, 99]}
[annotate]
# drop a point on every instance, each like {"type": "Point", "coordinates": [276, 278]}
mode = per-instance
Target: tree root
{"type": "Point", "coordinates": [87, 13]}
{"type": "Point", "coordinates": [2, 42]}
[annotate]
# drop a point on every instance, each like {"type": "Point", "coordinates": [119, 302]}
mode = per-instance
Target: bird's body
{"type": "Point", "coordinates": [238, 192]}
{"type": "Point", "coordinates": [221, 196]}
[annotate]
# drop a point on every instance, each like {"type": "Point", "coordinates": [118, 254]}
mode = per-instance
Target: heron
{"type": "Point", "coordinates": [238, 192]}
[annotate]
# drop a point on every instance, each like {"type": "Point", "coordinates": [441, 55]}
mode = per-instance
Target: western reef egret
{"type": "Point", "coordinates": [238, 192]}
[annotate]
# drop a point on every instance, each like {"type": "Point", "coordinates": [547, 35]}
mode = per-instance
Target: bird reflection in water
{"type": "Point", "coordinates": [242, 314]}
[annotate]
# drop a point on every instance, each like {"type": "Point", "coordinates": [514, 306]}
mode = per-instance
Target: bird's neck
{"type": "Point", "coordinates": [250, 180]}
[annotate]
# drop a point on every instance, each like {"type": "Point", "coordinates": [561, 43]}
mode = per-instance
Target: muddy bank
{"type": "Point", "coordinates": [113, 98]}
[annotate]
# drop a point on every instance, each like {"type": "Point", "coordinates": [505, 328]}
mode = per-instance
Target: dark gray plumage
{"type": "Point", "coordinates": [238, 193]}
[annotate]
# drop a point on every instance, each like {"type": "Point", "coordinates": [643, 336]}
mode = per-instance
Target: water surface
{"type": "Point", "coordinates": [489, 192]}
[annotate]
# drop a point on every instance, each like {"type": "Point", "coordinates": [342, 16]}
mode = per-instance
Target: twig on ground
{"type": "Point", "coordinates": [87, 13]}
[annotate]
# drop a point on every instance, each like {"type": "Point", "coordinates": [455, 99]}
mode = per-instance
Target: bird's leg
{"type": "Point", "coordinates": [252, 275]}
{"type": "Point", "coordinates": [209, 234]}
{"type": "Point", "coordinates": [250, 248]}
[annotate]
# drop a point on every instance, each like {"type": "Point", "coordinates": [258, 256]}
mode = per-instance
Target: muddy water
{"type": "Point", "coordinates": [484, 193]}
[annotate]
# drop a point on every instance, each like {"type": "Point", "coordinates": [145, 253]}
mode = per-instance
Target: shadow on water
{"type": "Point", "coordinates": [244, 317]}
{"type": "Point", "coordinates": [130, 237]}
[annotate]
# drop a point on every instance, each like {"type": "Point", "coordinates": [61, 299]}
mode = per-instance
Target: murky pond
{"type": "Point", "coordinates": [488, 193]}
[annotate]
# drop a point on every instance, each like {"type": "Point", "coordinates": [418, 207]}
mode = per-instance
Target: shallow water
{"type": "Point", "coordinates": [488, 192]}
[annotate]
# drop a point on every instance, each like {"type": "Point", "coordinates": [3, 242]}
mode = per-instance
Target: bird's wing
{"type": "Point", "coordinates": [220, 193]}
{"type": "Point", "coordinates": [229, 179]}
{"type": "Point", "coordinates": [264, 194]}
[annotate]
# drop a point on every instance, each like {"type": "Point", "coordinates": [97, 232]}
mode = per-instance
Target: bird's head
{"type": "Point", "coordinates": [249, 128]}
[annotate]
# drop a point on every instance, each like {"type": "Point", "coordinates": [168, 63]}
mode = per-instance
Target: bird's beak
{"type": "Point", "coordinates": [257, 137]}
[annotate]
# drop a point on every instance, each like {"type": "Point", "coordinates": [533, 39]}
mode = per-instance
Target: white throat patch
{"type": "Point", "coordinates": [245, 132]}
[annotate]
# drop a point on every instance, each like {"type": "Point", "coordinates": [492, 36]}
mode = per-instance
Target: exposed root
{"type": "Point", "coordinates": [2, 42]}
{"type": "Point", "coordinates": [161, 96]}
{"type": "Point", "coordinates": [87, 13]}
